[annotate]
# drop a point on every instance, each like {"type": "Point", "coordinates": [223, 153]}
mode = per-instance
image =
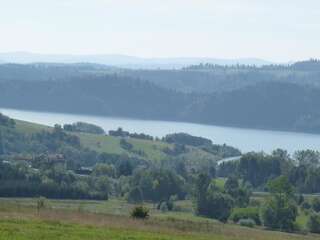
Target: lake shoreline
{"type": "Point", "coordinates": [234, 126]}
{"type": "Point", "coordinates": [243, 138]}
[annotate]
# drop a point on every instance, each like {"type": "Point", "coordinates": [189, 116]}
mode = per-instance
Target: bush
{"type": "Point", "coordinates": [246, 213]}
{"type": "Point", "coordinates": [314, 223]}
{"type": "Point", "coordinates": [140, 212]}
{"type": "Point", "coordinates": [219, 206]}
{"type": "Point", "coordinates": [247, 222]}
{"type": "Point", "coordinates": [316, 204]}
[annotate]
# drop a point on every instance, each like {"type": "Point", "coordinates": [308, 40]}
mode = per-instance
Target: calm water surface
{"type": "Point", "coordinates": [244, 139]}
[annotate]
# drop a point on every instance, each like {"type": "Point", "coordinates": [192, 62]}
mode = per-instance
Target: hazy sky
{"type": "Point", "coordinates": [278, 30]}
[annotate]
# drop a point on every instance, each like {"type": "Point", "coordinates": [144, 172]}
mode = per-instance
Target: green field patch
{"type": "Point", "coordinates": [29, 128]}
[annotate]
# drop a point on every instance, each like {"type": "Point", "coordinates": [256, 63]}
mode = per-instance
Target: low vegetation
{"type": "Point", "coordinates": [249, 213]}
{"type": "Point", "coordinates": [140, 212]}
{"type": "Point", "coordinates": [65, 220]}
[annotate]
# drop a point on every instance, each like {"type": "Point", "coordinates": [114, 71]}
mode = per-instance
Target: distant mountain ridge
{"type": "Point", "coordinates": [123, 60]}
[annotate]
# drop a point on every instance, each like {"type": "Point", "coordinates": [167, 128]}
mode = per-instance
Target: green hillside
{"type": "Point", "coordinates": [152, 150]}
{"type": "Point", "coordinates": [30, 128]}
{"type": "Point", "coordinates": [110, 144]}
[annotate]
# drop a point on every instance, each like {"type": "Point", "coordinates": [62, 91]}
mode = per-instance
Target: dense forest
{"type": "Point", "coordinates": [242, 96]}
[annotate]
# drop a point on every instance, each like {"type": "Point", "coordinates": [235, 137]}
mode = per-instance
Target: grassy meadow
{"type": "Point", "coordinates": [99, 220]}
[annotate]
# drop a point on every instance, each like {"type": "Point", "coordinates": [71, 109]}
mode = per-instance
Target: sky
{"type": "Point", "coordinates": [276, 30]}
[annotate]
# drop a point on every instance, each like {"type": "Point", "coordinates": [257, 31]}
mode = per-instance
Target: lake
{"type": "Point", "coordinates": [244, 139]}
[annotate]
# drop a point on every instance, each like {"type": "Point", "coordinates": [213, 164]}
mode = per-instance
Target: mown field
{"type": "Point", "coordinates": [99, 220]}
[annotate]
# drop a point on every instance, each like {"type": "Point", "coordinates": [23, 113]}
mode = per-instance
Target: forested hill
{"type": "Point", "coordinates": [109, 95]}
{"type": "Point", "coordinates": [210, 78]}
{"type": "Point", "coordinates": [50, 71]}
{"type": "Point", "coordinates": [270, 97]}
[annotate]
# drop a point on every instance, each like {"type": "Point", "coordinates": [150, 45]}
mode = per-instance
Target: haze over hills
{"type": "Point", "coordinates": [149, 120]}
{"type": "Point", "coordinates": [124, 60]}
